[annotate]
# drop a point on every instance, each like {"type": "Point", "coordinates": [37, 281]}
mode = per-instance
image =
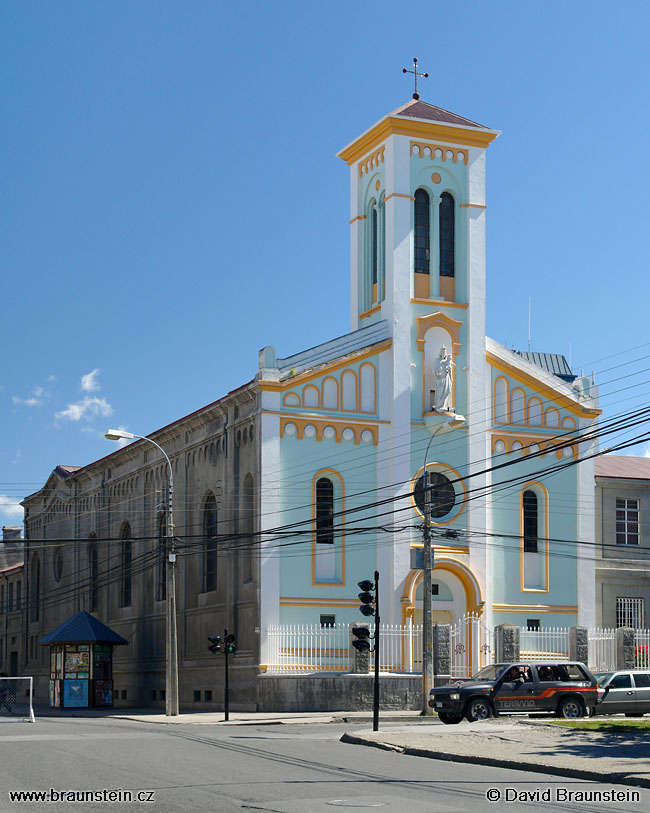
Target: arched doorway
{"type": "Point", "coordinates": [458, 593]}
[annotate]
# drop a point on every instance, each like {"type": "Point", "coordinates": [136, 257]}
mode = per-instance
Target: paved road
{"type": "Point", "coordinates": [275, 768]}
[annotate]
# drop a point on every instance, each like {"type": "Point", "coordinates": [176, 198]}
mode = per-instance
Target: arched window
{"type": "Point", "coordinates": [447, 235]}
{"type": "Point", "coordinates": [530, 521]}
{"type": "Point", "coordinates": [501, 400]}
{"type": "Point", "coordinates": [422, 232]}
{"type": "Point", "coordinates": [126, 567]}
{"type": "Point", "coordinates": [374, 249]}
{"type": "Point", "coordinates": [324, 511]}
{"type": "Point", "coordinates": [161, 581]}
{"type": "Point", "coordinates": [35, 589]}
{"type": "Point", "coordinates": [210, 544]}
{"type": "Point", "coordinates": [518, 406]}
{"type": "Point", "coordinates": [93, 576]}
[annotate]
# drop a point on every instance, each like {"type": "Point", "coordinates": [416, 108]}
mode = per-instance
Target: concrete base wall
{"type": "Point", "coordinates": [337, 692]}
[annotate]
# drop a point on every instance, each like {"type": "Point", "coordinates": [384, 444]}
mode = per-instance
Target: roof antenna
{"type": "Point", "coordinates": [529, 306]}
{"type": "Point", "coordinates": [415, 73]}
{"type": "Point", "coordinates": [570, 353]}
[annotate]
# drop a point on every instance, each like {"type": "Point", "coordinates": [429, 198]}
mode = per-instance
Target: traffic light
{"type": "Point", "coordinates": [215, 643]}
{"type": "Point", "coordinates": [361, 642]}
{"type": "Point", "coordinates": [366, 597]}
{"type": "Point", "coordinates": [229, 644]}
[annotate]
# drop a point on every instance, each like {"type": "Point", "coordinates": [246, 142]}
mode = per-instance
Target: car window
{"type": "Point", "coordinates": [603, 677]}
{"type": "Point", "coordinates": [548, 672]}
{"type": "Point", "coordinates": [571, 671]}
{"type": "Point", "coordinates": [642, 680]}
{"type": "Point", "coordinates": [490, 672]}
{"type": "Point", "coordinates": [620, 682]}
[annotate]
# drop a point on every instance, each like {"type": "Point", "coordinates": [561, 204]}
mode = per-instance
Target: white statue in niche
{"type": "Point", "coordinates": [443, 371]}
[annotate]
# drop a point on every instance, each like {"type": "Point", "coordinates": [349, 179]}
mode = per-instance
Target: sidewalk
{"type": "Point", "coordinates": [620, 758]}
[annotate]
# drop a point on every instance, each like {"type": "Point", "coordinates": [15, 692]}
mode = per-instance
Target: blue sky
{"type": "Point", "coordinates": [170, 199]}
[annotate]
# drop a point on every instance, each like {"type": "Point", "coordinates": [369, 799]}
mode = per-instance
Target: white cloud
{"type": "Point", "coordinates": [89, 381]}
{"type": "Point", "coordinates": [32, 401]}
{"type": "Point", "coordinates": [89, 407]}
{"type": "Point", "coordinates": [10, 506]}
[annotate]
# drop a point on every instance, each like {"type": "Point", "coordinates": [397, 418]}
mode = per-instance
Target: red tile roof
{"type": "Point", "coordinates": [630, 468]}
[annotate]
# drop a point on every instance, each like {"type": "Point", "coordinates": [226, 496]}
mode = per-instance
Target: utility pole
{"type": "Point", "coordinates": [427, 627]}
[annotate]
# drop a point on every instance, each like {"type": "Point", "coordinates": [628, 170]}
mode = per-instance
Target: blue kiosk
{"type": "Point", "coordinates": [81, 662]}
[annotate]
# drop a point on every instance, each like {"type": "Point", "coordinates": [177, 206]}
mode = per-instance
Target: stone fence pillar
{"type": "Point", "coordinates": [625, 648]}
{"type": "Point", "coordinates": [507, 643]}
{"type": "Point", "coordinates": [359, 661]}
{"type": "Point", "coordinates": [441, 654]}
{"type": "Point", "coordinates": [579, 644]}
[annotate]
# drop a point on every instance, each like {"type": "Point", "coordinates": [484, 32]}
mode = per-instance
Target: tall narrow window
{"type": "Point", "coordinates": [35, 589]}
{"type": "Point", "coordinates": [324, 511]}
{"type": "Point", "coordinates": [422, 232]}
{"type": "Point", "coordinates": [126, 567]}
{"type": "Point", "coordinates": [374, 249]}
{"type": "Point", "coordinates": [447, 236]}
{"type": "Point", "coordinates": [161, 585]}
{"type": "Point", "coordinates": [93, 580]}
{"type": "Point", "coordinates": [248, 519]}
{"type": "Point", "coordinates": [210, 544]}
{"type": "Point", "coordinates": [530, 522]}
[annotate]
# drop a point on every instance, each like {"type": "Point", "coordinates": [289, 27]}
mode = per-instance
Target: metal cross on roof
{"type": "Point", "coordinates": [415, 73]}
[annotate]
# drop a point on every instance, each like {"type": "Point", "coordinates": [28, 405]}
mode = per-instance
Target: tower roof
{"type": "Point", "coordinates": [419, 119]}
{"type": "Point", "coordinates": [417, 109]}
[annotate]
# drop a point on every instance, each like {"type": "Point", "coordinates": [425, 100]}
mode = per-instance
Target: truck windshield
{"type": "Point", "coordinates": [491, 672]}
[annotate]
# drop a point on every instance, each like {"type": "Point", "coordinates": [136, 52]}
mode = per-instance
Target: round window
{"type": "Point", "coordinates": [442, 496]}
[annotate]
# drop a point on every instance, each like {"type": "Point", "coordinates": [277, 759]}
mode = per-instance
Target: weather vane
{"type": "Point", "coordinates": [415, 73]}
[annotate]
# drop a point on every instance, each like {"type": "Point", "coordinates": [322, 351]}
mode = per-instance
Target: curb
{"type": "Point", "coordinates": [497, 762]}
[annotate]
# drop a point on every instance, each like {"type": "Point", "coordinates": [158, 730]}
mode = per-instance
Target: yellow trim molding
{"type": "Point", "coordinates": [473, 597]}
{"type": "Point", "coordinates": [397, 195]}
{"type": "Point", "coordinates": [472, 206]}
{"type": "Point", "coordinates": [320, 424]}
{"type": "Point", "coordinates": [358, 217]}
{"type": "Point", "coordinates": [372, 161]}
{"type": "Point", "coordinates": [370, 312]}
{"type": "Point", "coordinates": [534, 608]}
{"type": "Point", "coordinates": [422, 146]}
{"type": "Point", "coordinates": [414, 128]}
{"type": "Point", "coordinates": [535, 486]}
{"type": "Point", "coordinates": [541, 388]}
{"type": "Point", "coordinates": [308, 375]}
{"type": "Point", "coordinates": [440, 302]}
{"type": "Point", "coordinates": [329, 474]}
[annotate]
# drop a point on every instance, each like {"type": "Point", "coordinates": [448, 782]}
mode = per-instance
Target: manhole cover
{"type": "Point", "coordinates": [356, 803]}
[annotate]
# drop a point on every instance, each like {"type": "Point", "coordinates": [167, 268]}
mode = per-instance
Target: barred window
{"type": "Point", "coordinates": [630, 612]}
{"type": "Point", "coordinates": [627, 521]}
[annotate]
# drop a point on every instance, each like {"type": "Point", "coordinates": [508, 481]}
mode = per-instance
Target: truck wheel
{"type": "Point", "coordinates": [571, 708]}
{"type": "Point", "coordinates": [478, 709]}
{"type": "Point", "coordinates": [448, 718]}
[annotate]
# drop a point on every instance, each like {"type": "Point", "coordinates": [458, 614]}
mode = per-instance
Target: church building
{"type": "Point", "coordinates": [310, 477]}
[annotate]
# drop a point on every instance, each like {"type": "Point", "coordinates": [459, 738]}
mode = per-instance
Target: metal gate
{"type": "Point", "coordinates": [472, 646]}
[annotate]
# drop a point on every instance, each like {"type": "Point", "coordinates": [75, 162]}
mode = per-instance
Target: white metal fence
{"type": "Point", "coordinates": [602, 650]}
{"type": "Point", "coordinates": [16, 698]}
{"type": "Point", "coordinates": [310, 648]}
{"type": "Point", "coordinates": [642, 649]}
{"type": "Point", "coordinates": [549, 643]}
{"type": "Point", "coordinates": [472, 646]}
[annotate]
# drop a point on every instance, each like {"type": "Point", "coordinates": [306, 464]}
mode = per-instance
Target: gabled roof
{"type": "Point", "coordinates": [622, 467]}
{"type": "Point", "coordinates": [417, 109]}
{"type": "Point", "coordinates": [82, 628]}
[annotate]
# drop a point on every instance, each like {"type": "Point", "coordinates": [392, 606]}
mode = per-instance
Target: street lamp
{"type": "Point", "coordinates": [427, 627]}
{"type": "Point", "coordinates": [171, 649]}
